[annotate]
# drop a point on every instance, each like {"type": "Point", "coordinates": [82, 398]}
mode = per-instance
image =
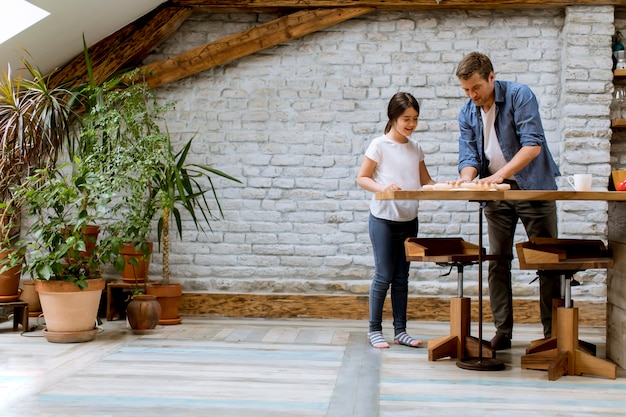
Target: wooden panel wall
{"type": "Point", "coordinates": [356, 307]}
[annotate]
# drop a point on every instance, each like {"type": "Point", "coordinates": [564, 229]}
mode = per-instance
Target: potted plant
{"type": "Point", "coordinates": [35, 123]}
{"type": "Point", "coordinates": [11, 255]}
{"type": "Point", "coordinates": [62, 259]}
{"type": "Point", "coordinates": [156, 184]}
{"type": "Point", "coordinates": [65, 203]}
{"type": "Point", "coordinates": [124, 132]}
{"type": "Point", "coordinates": [120, 138]}
{"type": "Point", "coordinates": [179, 186]}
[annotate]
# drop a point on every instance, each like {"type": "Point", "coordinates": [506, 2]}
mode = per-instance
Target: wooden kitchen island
{"type": "Point", "coordinates": [616, 275]}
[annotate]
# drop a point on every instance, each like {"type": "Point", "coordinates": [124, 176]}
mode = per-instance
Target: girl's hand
{"type": "Point", "coordinates": [392, 187]}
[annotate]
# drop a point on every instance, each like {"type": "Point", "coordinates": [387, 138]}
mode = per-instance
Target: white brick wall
{"type": "Point", "coordinates": [292, 122]}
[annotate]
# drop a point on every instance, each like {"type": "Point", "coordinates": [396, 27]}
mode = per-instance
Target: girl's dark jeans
{"type": "Point", "coordinates": [391, 269]}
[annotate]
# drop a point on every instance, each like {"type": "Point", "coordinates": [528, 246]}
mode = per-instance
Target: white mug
{"type": "Point", "coordinates": [580, 182]}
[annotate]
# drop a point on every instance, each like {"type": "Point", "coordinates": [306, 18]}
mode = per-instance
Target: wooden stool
{"type": "Point", "coordinates": [20, 313]}
{"type": "Point", "coordinates": [548, 343]}
{"type": "Point", "coordinates": [453, 252]}
{"type": "Point", "coordinates": [563, 354]}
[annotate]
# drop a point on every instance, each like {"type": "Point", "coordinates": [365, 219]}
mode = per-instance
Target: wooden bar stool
{"type": "Point", "coordinates": [548, 343]}
{"type": "Point", "coordinates": [564, 354]}
{"type": "Point", "coordinates": [453, 252]}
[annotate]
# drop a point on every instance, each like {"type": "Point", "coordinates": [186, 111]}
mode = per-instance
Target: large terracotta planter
{"type": "Point", "coordinates": [169, 297]}
{"type": "Point", "coordinates": [143, 313]}
{"type": "Point", "coordinates": [132, 273]}
{"type": "Point", "coordinates": [9, 282]}
{"type": "Point", "coordinates": [70, 313]}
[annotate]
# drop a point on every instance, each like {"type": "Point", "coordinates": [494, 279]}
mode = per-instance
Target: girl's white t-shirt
{"type": "Point", "coordinates": [399, 163]}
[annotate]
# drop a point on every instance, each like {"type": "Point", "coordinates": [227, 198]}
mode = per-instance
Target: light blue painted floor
{"type": "Point", "coordinates": [257, 368]}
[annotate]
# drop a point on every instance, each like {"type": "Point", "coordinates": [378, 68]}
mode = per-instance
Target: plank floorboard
{"type": "Point", "coordinates": [282, 368]}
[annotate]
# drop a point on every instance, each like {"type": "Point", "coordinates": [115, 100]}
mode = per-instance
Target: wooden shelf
{"type": "Point", "coordinates": [618, 123]}
{"type": "Point", "coordinates": [619, 73]}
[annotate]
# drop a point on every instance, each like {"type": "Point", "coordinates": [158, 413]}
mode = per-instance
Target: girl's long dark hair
{"type": "Point", "coordinates": [398, 105]}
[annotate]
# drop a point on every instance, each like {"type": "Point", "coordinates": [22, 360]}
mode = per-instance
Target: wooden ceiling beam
{"type": "Point", "coordinates": [272, 5]}
{"type": "Point", "coordinates": [126, 47]}
{"type": "Point", "coordinates": [246, 43]}
{"type": "Point", "coordinates": [131, 44]}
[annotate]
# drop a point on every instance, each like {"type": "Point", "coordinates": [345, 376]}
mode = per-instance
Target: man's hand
{"type": "Point", "coordinates": [492, 179]}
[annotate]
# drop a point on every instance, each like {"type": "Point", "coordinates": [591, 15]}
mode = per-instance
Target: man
{"type": "Point", "coordinates": [502, 140]}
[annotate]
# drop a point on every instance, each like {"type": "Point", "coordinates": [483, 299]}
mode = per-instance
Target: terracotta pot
{"type": "Point", "coordinates": [70, 313]}
{"type": "Point", "coordinates": [143, 312]}
{"type": "Point", "coordinates": [31, 297]}
{"type": "Point", "coordinates": [91, 232]}
{"type": "Point", "coordinates": [169, 297]}
{"type": "Point", "coordinates": [132, 273]}
{"type": "Point", "coordinates": [9, 282]}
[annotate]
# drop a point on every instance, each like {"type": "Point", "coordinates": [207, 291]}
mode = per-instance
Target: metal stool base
{"type": "Point", "coordinates": [481, 364]}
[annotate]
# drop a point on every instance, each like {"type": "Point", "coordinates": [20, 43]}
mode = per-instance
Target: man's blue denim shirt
{"type": "Point", "coordinates": [517, 124]}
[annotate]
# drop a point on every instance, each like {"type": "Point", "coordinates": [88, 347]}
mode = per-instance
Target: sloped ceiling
{"type": "Point", "coordinates": [112, 26]}
{"type": "Point", "coordinates": [57, 39]}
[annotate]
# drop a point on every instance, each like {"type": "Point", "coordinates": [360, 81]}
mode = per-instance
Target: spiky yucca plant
{"type": "Point", "coordinates": [183, 186]}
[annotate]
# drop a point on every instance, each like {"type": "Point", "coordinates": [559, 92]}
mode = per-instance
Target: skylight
{"type": "Point", "coordinates": [16, 16]}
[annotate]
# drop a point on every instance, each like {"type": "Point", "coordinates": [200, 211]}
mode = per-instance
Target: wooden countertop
{"type": "Point", "coordinates": [473, 195]}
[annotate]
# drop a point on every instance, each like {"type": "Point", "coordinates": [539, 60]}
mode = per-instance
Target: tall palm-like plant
{"type": "Point", "coordinates": [36, 122]}
{"type": "Point", "coordinates": [182, 186]}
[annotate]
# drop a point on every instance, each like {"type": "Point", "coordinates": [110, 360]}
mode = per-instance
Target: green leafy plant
{"type": "Point", "coordinates": [123, 172]}
{"type": "Point", "coordinates": [125, 132]}
{"type": "Point", "coordinates": [121, 139]}
{"type": "Point", "coordinates": [60, 249]}
{"type": "Point", "coordinates": [11, 248]}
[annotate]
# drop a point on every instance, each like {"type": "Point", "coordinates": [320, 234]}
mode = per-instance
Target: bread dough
{"type": "Point", "coordinates": [466, 186]}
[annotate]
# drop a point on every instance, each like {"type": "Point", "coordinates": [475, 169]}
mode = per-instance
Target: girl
{"type": "Point", "coordinates": [393, 162]}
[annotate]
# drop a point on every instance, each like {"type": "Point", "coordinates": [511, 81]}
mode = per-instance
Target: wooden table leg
{"type": "Point", "coordinates": [109, 301]}
{"type": "Point", "coordinates": [25, 318]}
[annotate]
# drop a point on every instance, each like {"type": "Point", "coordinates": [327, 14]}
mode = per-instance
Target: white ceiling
{"type": "Point", "coordinates": [58, 38]}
